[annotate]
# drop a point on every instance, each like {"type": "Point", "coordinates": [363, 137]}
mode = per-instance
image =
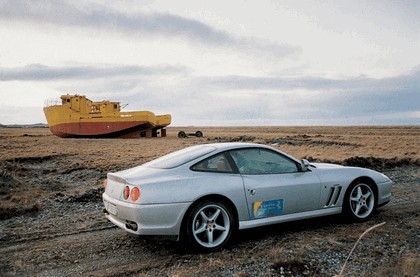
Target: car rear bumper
{"type": "Point", "coordinates": [153, 219]}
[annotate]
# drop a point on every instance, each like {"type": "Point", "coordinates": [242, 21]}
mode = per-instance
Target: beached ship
{"type": "Point", "coordinates": [77, 116]}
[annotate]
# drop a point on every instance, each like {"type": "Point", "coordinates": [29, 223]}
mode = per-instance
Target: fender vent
{"type": "Point", "coordinates": [333, 196]}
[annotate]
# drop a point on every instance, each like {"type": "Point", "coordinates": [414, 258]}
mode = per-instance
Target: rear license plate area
{"type": "Point", "coordinates": [112, 209]}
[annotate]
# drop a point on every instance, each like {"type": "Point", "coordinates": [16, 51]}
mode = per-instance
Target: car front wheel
{"type": "Point", "coordinates": [209, 226]}
{"type": "Point", "coordinates": [359, 202]}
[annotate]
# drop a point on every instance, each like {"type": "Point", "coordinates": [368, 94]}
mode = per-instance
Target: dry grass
{"type": "Point", "coordinates": [331, 143]}
{"type": "Point", "coordinates": [354, 247]}
{"type": "Point", "coordinates": [408, 265]}
{"type": "Point", "coordinates": [24, 153]}
{"type": "Point", "coordinates": [18, 205]}
{"type": "Point", "coordinates": [283, 260]}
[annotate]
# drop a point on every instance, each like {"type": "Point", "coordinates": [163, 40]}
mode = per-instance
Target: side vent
{"type": "Point", "coordinates": [333, 196]}
{"type": "Point", "coordinates": [337, 195]}
{"type": "Point", "coordinates": [329, 197]}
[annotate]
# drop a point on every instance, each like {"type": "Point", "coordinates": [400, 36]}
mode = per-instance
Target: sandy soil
{"type": "Point", "coordinates": [51, 221]}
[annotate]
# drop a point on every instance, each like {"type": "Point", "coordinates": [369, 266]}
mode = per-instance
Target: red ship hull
{"type": "Point", "coordinates": [126, 129]}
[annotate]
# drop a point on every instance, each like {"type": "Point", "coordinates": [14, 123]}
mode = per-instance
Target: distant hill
{"type": "Point", "coordinates": [36, 125]}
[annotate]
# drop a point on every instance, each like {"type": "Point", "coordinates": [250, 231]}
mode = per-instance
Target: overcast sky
{"type": "Point", "coordinates": [216, 62]}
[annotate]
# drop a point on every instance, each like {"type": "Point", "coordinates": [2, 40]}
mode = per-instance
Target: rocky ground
{"type": "Point", "coordinates": [51, 224]}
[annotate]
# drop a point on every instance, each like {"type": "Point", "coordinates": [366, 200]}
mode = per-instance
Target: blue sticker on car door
{"type": "Point", "coordinates": [261, 209]}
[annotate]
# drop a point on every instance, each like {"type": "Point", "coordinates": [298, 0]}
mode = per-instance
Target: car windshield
{"type": "Point", "coordinates": [180, 157]}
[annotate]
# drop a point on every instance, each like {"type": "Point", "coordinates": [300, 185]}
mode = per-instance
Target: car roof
{"type": "Point", "coordinates": [199, 151]}
{"type": "Point", "coordinates": [234, 145]}
{"type": "Point", "coordinates": [223, 146]}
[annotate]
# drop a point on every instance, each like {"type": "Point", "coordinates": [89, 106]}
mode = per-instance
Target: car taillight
{"type": "Point", "coordinates": [104, 183]}
{"type": "Point", "coordinates": [126, 192]}
{"type": "Point", "coordinates": [135, 194]}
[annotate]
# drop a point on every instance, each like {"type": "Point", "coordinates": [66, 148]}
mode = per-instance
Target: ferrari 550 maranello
{"type": "Point", "coordinates": [204, 193]}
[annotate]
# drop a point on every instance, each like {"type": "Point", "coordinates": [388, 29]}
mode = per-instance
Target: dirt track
{"type": "Point", "coordinates": [52, 223]}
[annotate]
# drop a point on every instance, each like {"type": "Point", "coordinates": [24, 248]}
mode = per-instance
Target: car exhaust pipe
{"type": "Point", "coordinates": [131, 225]}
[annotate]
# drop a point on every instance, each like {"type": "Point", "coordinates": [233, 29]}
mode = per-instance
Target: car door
{"type": "Point", "coordinates": [273, 184]}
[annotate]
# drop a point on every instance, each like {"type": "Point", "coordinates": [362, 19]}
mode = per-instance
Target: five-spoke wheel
{"type": "Point", "coordinates": [209, 226]}
{"type": "Point", "coordinates": [360, 201]}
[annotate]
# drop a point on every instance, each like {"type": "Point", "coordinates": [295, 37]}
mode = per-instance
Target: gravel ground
{"type": "Point", "coordinates": [70, 236]}
{"type": "Point", "coordinates": [52, 224]}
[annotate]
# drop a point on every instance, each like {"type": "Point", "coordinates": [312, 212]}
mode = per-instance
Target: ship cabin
{"type": "Point", "coordinates": [81, 104]}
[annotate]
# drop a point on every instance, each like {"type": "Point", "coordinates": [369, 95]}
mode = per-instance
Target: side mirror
{"type": "Point", "coordinates": [304, 165]}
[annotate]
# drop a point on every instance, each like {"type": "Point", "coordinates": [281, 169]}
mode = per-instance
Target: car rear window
{"type": "Point", "coordinates": [180, 157]}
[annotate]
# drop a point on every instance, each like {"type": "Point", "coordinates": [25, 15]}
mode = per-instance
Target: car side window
{"type": "Point", "coordinates": [218, 163]}
{"type": "Point", "coordinates": [262, 161]}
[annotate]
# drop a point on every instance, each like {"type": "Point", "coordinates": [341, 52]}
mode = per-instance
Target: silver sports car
{"type": "Point", "coordinates": [204, 193]}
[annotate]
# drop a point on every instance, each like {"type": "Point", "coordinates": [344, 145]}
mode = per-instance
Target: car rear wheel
{"type": "Point", "coordinates": [359, 202]}
{"type": "Point", "coordinates": [209, 226]}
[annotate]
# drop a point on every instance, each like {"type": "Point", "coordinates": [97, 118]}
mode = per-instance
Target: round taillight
{"type": "Point", "coordinates": [135, 194]}
{"type": "Point", "coordinates": [126, 192]}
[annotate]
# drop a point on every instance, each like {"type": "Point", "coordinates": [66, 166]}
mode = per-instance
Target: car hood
{"type": "Point", "coordinates": [326, 165]}
{"type": "Point", "coordinates": [331, 172]}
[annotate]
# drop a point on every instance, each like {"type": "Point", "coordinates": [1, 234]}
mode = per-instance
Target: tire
{"type": "Point", "coordinates": [198, 134]}
{"type": "Point", "coordinates": [359, 202]}
{"type": "Point", "coordinates": [182, 134]}
{"type": "Point", "coordinates": [209, 226]}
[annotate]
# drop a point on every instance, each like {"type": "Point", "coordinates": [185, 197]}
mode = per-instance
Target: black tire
{"type": "Point", "coordinates": [209, 226]}
{"type": "Point", "coordinates": [198, 134]}
{"type": "Point", "coordinates": [182, 134]}
{"type": "Point", "coordinates": [359, 202]}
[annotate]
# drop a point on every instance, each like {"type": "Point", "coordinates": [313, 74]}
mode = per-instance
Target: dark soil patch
{"type": "Point", "coordinates": [372, 162]}
{"type": "Point", "coordinates": [34, 159]}
{"type": "Point", "coordinates": [380, 163]}
{"type": "Point", "coordinates": [307, 140]}
{"type": "Point", "coordinates": [232, 139]}
{"type": "Point", "coordinates": [91, 195]}
{"type": "Point", "coordinates": [18, 210]}
{"type": "Point", "coordinates": [297, 140]}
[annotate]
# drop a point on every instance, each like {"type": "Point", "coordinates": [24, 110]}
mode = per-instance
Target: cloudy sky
{"type": "Point", "coordinates": [216, 62]}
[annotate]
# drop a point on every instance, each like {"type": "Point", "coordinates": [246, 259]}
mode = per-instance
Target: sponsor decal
{"type": "Point", "coordinates": [261, 209]}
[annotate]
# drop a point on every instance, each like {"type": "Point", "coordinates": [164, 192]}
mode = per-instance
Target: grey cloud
{"type": "Point", "coordinates": [404, 82]}
{"type": "Point", "coordinates": [59, 13]}
{"type": "Point", "coordinates": [348, 101]}
{"type": "Point", "coordinates": [241, 100]}
{"type": "Point", "coordinates": [245, 100]}
{"type": "Point", "coordinates": [39, 72]}
{"type": "Point", "coordinates": [246, 83]}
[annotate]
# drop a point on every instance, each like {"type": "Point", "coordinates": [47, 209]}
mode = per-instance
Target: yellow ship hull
{"type": "Point", "coordinates": [65, 122]}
